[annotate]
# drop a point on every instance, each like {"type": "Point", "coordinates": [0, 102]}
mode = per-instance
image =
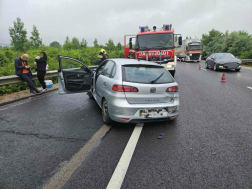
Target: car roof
{"type": "Point", "coordinates": [222, 53]}
{"type": "Point", "coordinates": [126, 61]}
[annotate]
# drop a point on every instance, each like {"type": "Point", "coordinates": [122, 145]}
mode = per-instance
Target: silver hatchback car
{"type": "Point", "coordinates": [127, 90]}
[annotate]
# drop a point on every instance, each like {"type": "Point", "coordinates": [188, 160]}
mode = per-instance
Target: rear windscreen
{"type": "Point", "coordinates": [146, 74]}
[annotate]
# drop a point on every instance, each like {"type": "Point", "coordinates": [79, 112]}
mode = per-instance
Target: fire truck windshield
{"type": "Point", "coordinates": [155, 41]}
{"type": "Point", "coordinates": [194, 47]}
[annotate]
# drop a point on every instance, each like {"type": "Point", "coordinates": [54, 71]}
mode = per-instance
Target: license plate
{"type": "Point", "coordinates": [153, 113]}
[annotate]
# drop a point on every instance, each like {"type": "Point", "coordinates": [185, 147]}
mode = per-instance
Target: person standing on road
{"type": "Point", "coordinates": [23, 71]}
{"type": "Point", "coordinates": [40, 62]}
{"type": "Point", "coordinates": [102, 56]}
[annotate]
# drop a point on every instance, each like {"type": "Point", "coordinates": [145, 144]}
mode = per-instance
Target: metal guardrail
{"type": "Point", "coordinates": [246, 60]}
{"type": "Point", "coordinates": [12, 79]}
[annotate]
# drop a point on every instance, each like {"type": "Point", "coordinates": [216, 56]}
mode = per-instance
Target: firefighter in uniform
{"type": "Point", "coordinates": [131, 54]}
{"type": "Point", "coordinates": [102, 56]}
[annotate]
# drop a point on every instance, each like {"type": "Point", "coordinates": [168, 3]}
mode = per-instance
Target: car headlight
{"type": "Point", "coordinates": [169, 66]}
{"type": "Point", "coordinates": [190, 54]}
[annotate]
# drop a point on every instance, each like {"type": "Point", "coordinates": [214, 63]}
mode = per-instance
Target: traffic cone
{"type": "Point", "coordinates": [199, 67]}
{"type": "Point", "coordinates": [223, 79]}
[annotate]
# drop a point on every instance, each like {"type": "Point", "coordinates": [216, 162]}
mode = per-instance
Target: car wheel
{"type": "Point", "coordinates": [237, 70]}
{"type": "Point", "coordinates": [215, 67]}
{"type": "Point", "coordinates": [105, 114]}
{"type": "Point", "coordinates": [206, 66]}
{"type": "Point", "coordinates": [90, 96]}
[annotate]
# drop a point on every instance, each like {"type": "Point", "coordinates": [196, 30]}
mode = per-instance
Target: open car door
{"type": "Point", "coordinates": [73, 76]}
{"type": "Point", "coordinates": [127, 39]}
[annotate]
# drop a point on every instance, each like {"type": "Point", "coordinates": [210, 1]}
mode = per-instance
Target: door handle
{"type": "Point", "coordinates": [104, 84]}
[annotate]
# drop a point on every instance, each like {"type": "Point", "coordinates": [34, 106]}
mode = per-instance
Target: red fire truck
{"type": "Point", "coordinates": [155, 45]}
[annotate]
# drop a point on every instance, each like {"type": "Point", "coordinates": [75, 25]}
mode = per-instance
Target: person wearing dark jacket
{"type": "Point", "coordinates": [131, 54]}
{"type": "Point", "coordinates": [40, 62]}
{"type": "Point", "coordinates": [102, 56]}
{"type": "Point", "coordinates": [23, 71]}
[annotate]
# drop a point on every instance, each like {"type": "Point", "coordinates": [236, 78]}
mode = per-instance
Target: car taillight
{"type": "Point", "coordinates": [124, 88]}
{"type": "Point", "coordinates": [172, 89]}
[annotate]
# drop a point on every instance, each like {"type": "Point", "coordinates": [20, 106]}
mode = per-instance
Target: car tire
{"type": "Point", "coordinates": [237, 70]}
{"type": "Point", "coordinates": [105, 114]}
{"type": "Point", "coordinates": [90, 96]}
{"type": "Point", "coordinates": [206, 66]}
{"type": "Point", "coordinates": [215, 67]}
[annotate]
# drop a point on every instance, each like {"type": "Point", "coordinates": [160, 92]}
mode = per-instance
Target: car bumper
{"type": "Point", "coordinates": [193, 58]}
{"type": "Point", "coordinates": [228, 67]}
{"type": "Point", "coordinates": [121, 111]}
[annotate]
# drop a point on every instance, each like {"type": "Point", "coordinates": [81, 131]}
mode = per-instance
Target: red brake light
{"type": "Point", "coordinates": [118, 88]}
{"type": "Point", "coordinates": [172, 89]}
{"type": "Point", "coordinates": [124, 88]}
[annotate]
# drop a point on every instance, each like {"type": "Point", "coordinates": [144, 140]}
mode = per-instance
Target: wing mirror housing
{"type": "Point", "coordinates": [180, 40]}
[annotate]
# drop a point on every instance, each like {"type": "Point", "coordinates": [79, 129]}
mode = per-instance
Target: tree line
{"type": "Point", "coordinates": [74, 48]}
{"type": "Point", "coordinates": [238, 43]}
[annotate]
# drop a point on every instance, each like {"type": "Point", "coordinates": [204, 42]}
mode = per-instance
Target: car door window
{"type": "Point", "coordinates": [113, 71]}
{"type": "Point", "coordinates": [100, 69]}
{"type": "Point", "coordinates": [71, 65]}
{"type": "Point", "coordinates": [108, 69]}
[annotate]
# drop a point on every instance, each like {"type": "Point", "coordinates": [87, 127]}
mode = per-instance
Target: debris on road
{"type": "Point", "coordinates": [160, 136]}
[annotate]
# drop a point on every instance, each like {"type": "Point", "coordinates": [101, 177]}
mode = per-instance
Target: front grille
{"type": "Point", "coordinates": [195, 56]}
{"type": "Point", "coordinates": [155, 58]}
{"type": "Point", "coordinates": [232, 65]}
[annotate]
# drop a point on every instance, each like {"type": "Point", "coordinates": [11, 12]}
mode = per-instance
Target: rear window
{"type": "Point", "coordinates": [145, 74]}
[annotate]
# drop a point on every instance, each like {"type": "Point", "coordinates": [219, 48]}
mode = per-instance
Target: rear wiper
{"type": "Point", "coordinates": [155, 80]}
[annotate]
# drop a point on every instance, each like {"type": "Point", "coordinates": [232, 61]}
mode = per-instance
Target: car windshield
{"type": "Point", "coordinates": [155, 41]}
{"type": "Point", "coordinates": [194, 47]}
{"type": "Point", "coordinates": [224, 55]}
{"type": "Point", "coordinates": [145, 74]}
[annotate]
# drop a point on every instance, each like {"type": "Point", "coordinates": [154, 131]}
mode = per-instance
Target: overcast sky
{"type": "Point", "coordinates": [90, 19]}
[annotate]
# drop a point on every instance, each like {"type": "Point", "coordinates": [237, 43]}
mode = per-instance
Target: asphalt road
{"type": "Point", "coordinates": [209, 145]}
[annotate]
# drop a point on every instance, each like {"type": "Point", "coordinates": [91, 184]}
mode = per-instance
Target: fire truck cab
{"type": "Point", "coordinates": [156, 45]}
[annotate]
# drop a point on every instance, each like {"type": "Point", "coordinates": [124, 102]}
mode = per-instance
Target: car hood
{"type": "Point", "coordinates": [229, 60]}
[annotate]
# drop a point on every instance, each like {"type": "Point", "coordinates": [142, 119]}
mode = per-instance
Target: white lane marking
{"type": "Point", "coordinates": [203, 69]}
{"type": "Point", "coordinates": [249, 87]}
{"type": "Point", "coordinates": [26, 101]}
{"type": "Point", "coordinates": [122, 167]}
{"type": "Point", "coordinates": [60, 178]}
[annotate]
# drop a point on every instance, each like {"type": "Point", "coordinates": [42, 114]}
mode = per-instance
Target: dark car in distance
{"type": "Point", "coordinates": [223, 61]}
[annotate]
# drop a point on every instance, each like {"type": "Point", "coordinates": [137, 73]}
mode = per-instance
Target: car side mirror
{"type": "Point", "coordinates": [130, 43]}
{"type": "Point", "coordinates": [180, 40]}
